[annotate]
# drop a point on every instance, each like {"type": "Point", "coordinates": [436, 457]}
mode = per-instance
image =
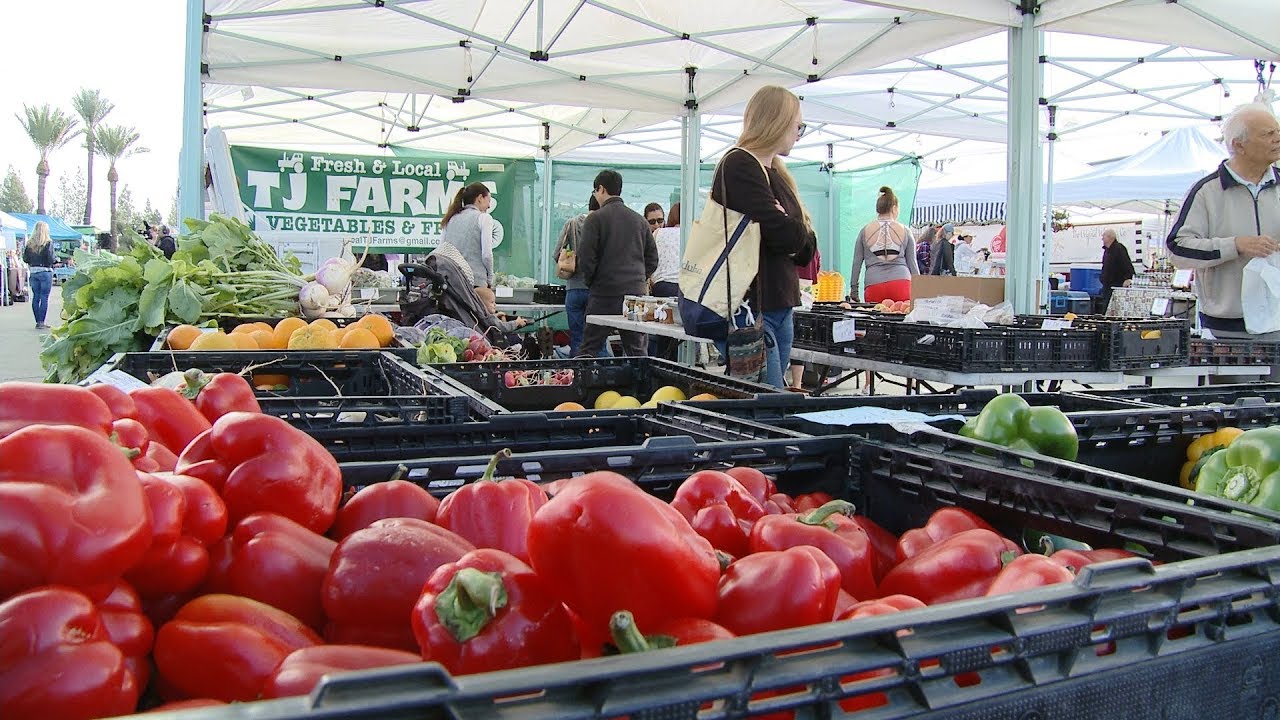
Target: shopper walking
{"type": "Point", "coordinates": [616, 255]}
{"type": "Point", "coordinates": [888, 251]}
{"type": "Point", "coordinates": [575, 296]}
{"type": "Point", "coordinates": [757, 184]}
{"type": "Point", "coordinates": [468, 227]}
{"type": "Point", "coordinates": [666, 279]}
{"type": "Point", "coordinates": [40, 257]}
{"type": "Point", "coordinates": [1117, 268]}
{"type": "Point", "coordinates": [943, 260]}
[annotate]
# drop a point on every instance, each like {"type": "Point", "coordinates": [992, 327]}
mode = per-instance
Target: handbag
{"type": "Point", "coordinates": [723, 244]}
{"type": "Point", "coordinates": [745, 347]}
{"type": "Point", "coordinates": [566, 258]}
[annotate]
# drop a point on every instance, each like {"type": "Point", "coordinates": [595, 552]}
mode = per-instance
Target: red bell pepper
{"type": "Point", "coordinates": [941, 525]}
{"type": "Point", "coordinates": [72, 511]}
{"type": "Point", "coordinates": [493, 513]}
{"type": "Point", "coordinates": [117, 400]}
{"type": "Point", "coordinates": [1073, 560]}
{"type": "Point", "coordinates": [186, 517]}
{"type": "Point", "coordinates": [829, 529]}
{"type": "Point", "coordinates": [226, 647]}
{"type": "Point", "coordinates": [221, 393]}
{"type": "Point", "coordinates": [843, 602]}
{"type": "Point", "coordinates": [129, 629]}
{"type": "Point", "coordinates": [719, 508]}
{"type": "Point", "coordinates": [605, 545]}
{"type": "Point", "coordinates": [779, 504]}
{"type": "Point", "coordinates": [376, 575]}
{"type": "Point", "coordinates": [186, 705]}
{"type": "Point", "coordinates": [811, 501]}
{"type": "Point", "coordinates": [884, 545]}
{"type": "Point", "coordinates": [774, 590]}
{"type": "Point", "coordinates": [380, 501]}
{"type": "Point", "coordinates": [274, 560]}
{"type": "Point", "coordinates": [170, 418]}
{"type": "Point", "coordinates": [162, 456]}
{"type": "Point", "coordinates": [627, 638]}
{"type": "Point", "coordinates": [303, 669]}
{"type": "Point", "coordinates": [57, 661]}
{"type": "Point", "coordinates": [880, 606]}
{"type": "Point", "coordinates": [1029, 571]}
{"type": "Point", "coordinates": [260, 463]}
{"type": "Point", "coordinates": [131, 437]}
{"type": "Point", "coordinates": [960, 567]}
{"type": "Point", "coordinates": [489, 611]}
{"type": "Point", "coordinates": [760, 486]}
{"type": "Point", "coordinates": [25, 403]}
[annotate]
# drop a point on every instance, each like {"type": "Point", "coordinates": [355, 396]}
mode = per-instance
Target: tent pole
{"type": "Point", "coordinates": [833, 211]}
{"type": "Point", "coordinates": [1043, 296]}
{"type": "Point", "coordinates": [544, 247]}
{"type": "Point", "coordinates": [191, 159]}
{"type": "Point", "coordinates": [1022, 213]}
{"type": "Point", "coordinates": [690, 160]}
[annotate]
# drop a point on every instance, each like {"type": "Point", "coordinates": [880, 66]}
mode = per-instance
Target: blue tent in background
{"type": "Point", "coordinates": [58, 230]}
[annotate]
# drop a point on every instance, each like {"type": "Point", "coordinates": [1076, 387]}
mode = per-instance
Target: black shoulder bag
{"type": "Point", "coordinates": [744, 346]}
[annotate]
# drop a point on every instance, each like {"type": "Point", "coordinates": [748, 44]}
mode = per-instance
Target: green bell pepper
{"type": "Point", "coordinates": [1247, 470]}
{"type": "Point", "coordinates": [1009, 421]}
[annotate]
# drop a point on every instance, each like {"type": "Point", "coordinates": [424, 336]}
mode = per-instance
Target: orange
{"type": "Point", "coordinates": [380, 327]}
{"type": "Point", "coordinates": [181, 337]}
{"type": "Point", "coordinates": [325, 323]}
{"type": "Point", "coordinates": [269, 381]}
{"type": "Point", "coordinates": [312, 338]}
{"type": "Point", "coordinates": [243, 328]}
{"type": "Point", "coordinates": [244, 341]}
{"type": "Point", "coordinates": [703, 396]}
{"type": "Point", "coordinates": [566, 406]}
{"type": "Point", "coordinates": [216, 340]}
{"type": "Point", "coordinates": [284, 329]}
{"type": "Point", "coordinates": [358, 338]}
{"type": "Point", "coordinates": [262, 326]}
{"type": "Point", "coordinates": [266, 339]}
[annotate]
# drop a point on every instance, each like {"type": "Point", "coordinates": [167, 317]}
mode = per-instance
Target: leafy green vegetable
{"type": "Point", "coordinates": [120, 303]}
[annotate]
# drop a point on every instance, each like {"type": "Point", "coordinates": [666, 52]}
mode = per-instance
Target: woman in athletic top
{"type": "Point", "coordinates": [887, 249]}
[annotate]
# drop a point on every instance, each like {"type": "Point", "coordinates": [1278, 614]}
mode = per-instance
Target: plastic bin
{"type": "Point", "coordinates": [1233, 352]}
{"type": "Point", "coordinates": [996, 349]}
{"type": "Point", "coordinates": [873, 336]}
{"type": "Point", "coordinates": [550, 294]}
{"type": "Point", "coordinates": [1191, 638]}
{"type": "Point", "coordinates": [1086, 280]}
{"type": "Point", "coordinates": [1132, 343]}
{"type": "Point", "coordinates": [227, 324]}
{"type": "Point", "coordinates": [1062, 302]}
{"type": "Point", "coordinates": [1242, 394]}
{"type": "Point", "coordinates": [635, 376]}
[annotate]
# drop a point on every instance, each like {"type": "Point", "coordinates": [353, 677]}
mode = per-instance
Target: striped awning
{"type": "Point", "coordinates": [958, 213]}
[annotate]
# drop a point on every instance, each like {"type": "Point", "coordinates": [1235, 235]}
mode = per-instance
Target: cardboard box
{"type": "Point", "coordinates": [987, 290]}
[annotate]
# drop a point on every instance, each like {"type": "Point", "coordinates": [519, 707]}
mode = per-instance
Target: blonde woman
{"type": "Point", "coordinates": [756, 183]}
{"type": "Point", "coordinates": [39, 256]}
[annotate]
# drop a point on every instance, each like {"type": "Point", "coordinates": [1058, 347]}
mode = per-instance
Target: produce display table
{"type": "Point", "coordinates": [1203, 372]}
{"type": "Point", "coordinates": [916, 376]}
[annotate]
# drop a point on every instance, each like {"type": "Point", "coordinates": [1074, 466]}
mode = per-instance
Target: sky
{"type": "Point", "coordinates": [131, 50]}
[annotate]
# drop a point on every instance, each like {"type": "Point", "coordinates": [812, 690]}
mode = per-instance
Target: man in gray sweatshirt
{"type": "Point", "coordinates": [616, 256]}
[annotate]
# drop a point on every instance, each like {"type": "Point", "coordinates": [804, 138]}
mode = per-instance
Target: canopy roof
{"type": "Point", "coordinates": [58, 229]}
{"type": "Point", "coordinates": [9, 222]}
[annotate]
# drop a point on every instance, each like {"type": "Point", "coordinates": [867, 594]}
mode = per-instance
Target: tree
{"type": "Point", "coordinates": [151, 214]}
{"type": "Point", "coordinates": [126, 213]}
{"type": "Point", "coordinates": [13, 194]}
{"type": "Point", "coordinates": [173, 221]}
{"type": "Point", "coordinates": [116, 143]}
{"type": "Point", "coordinates": [92, 109]}
{"type": "Point", "coordinates": [49, 129]}
{"type": "Point", "coordinates": [71, 197]}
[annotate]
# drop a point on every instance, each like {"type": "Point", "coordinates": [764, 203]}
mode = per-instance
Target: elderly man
{"type": "Point", "coordinates": [1231, 217]}
{"type": "Point", "coordinates": [1117, 268]}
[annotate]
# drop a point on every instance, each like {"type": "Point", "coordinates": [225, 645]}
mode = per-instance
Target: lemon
{"type": "Point", "coordinates": [606, 399]}
{"type": "Point", "coordinates": [626, 402]}
{"type": "Point", "coordinates": [651, 404]}
{"type": "Point", "coordinates": [669, 393]}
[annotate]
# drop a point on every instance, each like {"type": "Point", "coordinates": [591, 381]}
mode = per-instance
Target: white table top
{"type": "Point", "coordinates": [651, 328]}
{"type": "Point", "coordinates": [516, 307]}
{"type": "Point", "coordinates": [1202, 370]}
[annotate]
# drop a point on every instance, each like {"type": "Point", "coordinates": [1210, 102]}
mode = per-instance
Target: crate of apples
{"type": "Point", "coordinates": [900, 307]}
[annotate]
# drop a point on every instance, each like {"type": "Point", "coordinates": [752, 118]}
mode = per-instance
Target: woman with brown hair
{"type": "Point", "coordinates": [887, 249]}
{"type": "Point", "coordinates": [468, 227]}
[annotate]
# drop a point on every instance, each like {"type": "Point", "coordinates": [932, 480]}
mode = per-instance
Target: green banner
{"type": "Point", "coordinates": [393, 204]}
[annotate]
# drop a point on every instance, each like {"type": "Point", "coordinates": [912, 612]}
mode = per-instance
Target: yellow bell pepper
{"type": "Point", "coordinates": [1199, 451]}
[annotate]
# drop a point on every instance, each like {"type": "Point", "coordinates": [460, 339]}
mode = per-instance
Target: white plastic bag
{"type": "Point", "coordinates": [1260, 295]}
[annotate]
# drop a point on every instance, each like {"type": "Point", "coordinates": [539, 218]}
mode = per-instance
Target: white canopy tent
{"type": "Point", "coordinates": [669, 58]}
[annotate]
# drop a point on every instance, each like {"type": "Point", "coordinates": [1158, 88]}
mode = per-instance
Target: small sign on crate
{"type": "Point", "coordinates": [843, 331]}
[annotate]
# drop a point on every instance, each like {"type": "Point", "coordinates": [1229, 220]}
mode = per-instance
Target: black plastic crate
{"type": "Point", "coordinates": [398, 346]}
{"type": "Point", "coordinates": [1132, 343]}
{"type": "Point", "coordinates": [946, 348]}
{"type": "Point", "coordinates": [310, 373]}
{"type": "Point", "coordinates": [1241, 394]}
{"type": "Point", "coordinates": [635, 376]}
{"type": "Point", "coordinates": [1233, 352]}
{"type": "Point", "coordinates": [873, 336]}
{"type": "Point", "coordinates": [1126, 639]}
{"type": "Point", "coordinates": [1042, 349]}
{"type": "Point", "coordinates": [550, 294]}
{"type": "Point", "coordinates": [531, 432]}
{"type": "Point", "coordinates": [783, 410]}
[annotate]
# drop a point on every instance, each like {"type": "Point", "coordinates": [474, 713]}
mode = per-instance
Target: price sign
{"type": "Point", "coordinates": [842, 331]}
{"type": "Point", "coordinates": [503, 291]}
{"type": "Point", "coordinates": [1160, 307]}
{"type": "Point", "coordinates": [1055, 324]}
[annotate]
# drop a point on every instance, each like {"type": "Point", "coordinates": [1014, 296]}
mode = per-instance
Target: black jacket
{"type": "Point", "coordinates": [43, 258]}
{"type": "Point", "coordinates": [944, 260]}
{"type": "Point", "coordinates": [616, 252]}
{"type": "Point", "coordinates": [1117, 268]}
{"type": "Point", "coordinates": [785, 242]}
{"type": "Point", "coordinates": [167, 245]}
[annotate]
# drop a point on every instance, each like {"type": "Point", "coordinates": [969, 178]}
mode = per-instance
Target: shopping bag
{"type": "Point", "coordinates": [745, 348]}
{"type": "Point", "coordinates": [1260, 295]}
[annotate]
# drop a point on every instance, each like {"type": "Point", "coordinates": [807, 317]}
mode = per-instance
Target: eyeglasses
{"type": "Point", "coordinates": [801, 129]}
{"type": "Point", "coordinates": [655, 222]}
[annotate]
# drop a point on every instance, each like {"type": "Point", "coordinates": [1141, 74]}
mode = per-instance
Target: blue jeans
{"type": "Point", "coordinates": [41, 284]}
{"type": "Point", "coordinates": [779, 334]}
{"type": "Point", "coordinates": [575, 310]}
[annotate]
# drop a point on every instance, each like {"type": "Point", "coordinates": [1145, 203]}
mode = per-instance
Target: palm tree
{"type": "Point", "coordinates": [49, 129]}
{"type": "Point", "coordinates": [92, 109]}
{"type": "Point", "coordinates": [115, 143]}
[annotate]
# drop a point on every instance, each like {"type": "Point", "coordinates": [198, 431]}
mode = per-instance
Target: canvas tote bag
{"type": "Point", "coordinates": [567, 257]}
{"type": "Point", "coordinates": [720, 261]}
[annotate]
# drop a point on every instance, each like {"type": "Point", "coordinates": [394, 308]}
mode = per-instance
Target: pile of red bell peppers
{"type": "Point", "coordinates": [186, 549]}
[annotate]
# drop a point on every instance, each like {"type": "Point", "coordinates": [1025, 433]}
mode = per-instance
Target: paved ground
{"type": "Point", "coordinates": [20, 341]}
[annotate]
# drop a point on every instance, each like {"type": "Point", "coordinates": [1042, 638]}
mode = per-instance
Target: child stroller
{"type": "Point", "coordinates": [437, 286]}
